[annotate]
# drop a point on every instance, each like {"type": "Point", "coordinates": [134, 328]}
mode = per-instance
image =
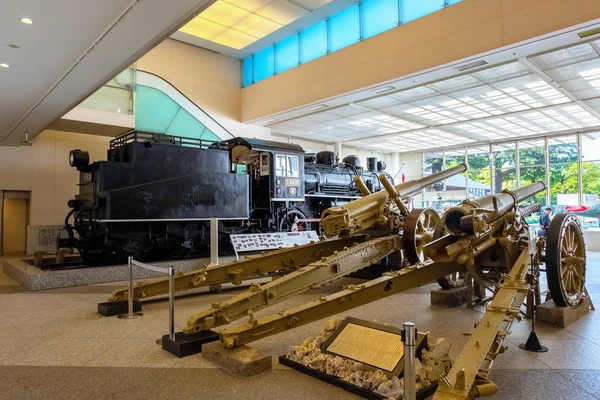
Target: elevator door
{"type": "Point", "coordinates": [15, 218]}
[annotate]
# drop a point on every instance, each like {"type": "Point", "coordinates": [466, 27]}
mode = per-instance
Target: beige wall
{"type": "Point", "coordinates": [211, 80]}
{"type": "Point", "coordinates": [14, 225]}
{"type": "Point", "coordinates": [44, 170]}
{"type": "Point", "coordinates": [468, 28]}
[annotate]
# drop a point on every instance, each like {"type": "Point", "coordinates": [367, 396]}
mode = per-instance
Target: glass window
{"type": "Point", "coordinates": [292, 167]}
{"type": "Point", "coordinates": [505, 178]}
{"type": "Point", "coordinates": [456, 183]}
{"type": "Point", "coordinates": [590, 146]}
{"type": "Point", "coordinates": [479, 171]}
{"type": "Point", "coordinates": [247, 71]}
{"type": "Point", "coordinates": [504, 155]}
{"type": "Point", "coordinates": [411, 9]}
{"type": "Point", "coordinates": [286, 54]}
{"type": "Point", "coordinates": [344, 28]}
{"type": "Point", "coordinates": [264, 64]}
{"type": "Point", "coordinates": [434, 162]}
{"type": "Point", "coordinates": [313, 42]}
{"type": "Point", "coordinates": [280, 167]}
{"type": "Point", "coordinates": [564, 184]}
{"type": "Point", "coordinates": [530, 175]}
{"type": "Point", "coordinates": [562, 149]}
{"type": "Point", "coordinates": [378, 16]}
{"type": "Point", "coordinates": [532, 152]}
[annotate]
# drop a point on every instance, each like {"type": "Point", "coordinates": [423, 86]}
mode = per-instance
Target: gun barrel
{"type": "Point", "coordinates": [503, 202]}
{"type": "Point", "coordinates": [364, 213]}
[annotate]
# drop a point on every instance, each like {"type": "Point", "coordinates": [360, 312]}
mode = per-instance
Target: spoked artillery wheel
{"type": "Point", "coordinates": [456, 279]}
{"type": "Point", "coordinates": [419, 229]}
{"type": "Point", "coordinates": [565, 260]}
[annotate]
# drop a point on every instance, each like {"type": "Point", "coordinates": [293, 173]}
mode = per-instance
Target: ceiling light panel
{"type": "Point", "coordinates": [501, 72]}
{"type": "Point", "coordinates": [203, 28]}
{"type": "Point", "coordinates": [459, 83]}
{"type": "Point", "coordinates": [249, 5]}
{"type": "Point", "coordinates": [224, 13]}
{"type": "Point", "coordinates": [282, 11]}
{"type": "Point", "coordinates": [257, 26]}
{"type": "Point", "coordinates": [568, 56]}
{"type": "Point", "coordinates": [346, 111]}
{"type": "Point", "coordinates": [417, 93]}
{"type": "Point", "coordinates": [238, 23]}
{"type": "Point", "coordinates": [234, 39]}
{"type": "Point", "coordinates": [380, 102]}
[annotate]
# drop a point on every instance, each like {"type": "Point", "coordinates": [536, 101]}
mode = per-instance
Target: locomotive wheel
{"type": "Point", "coordinates": [288, 219]}
{"type": "Point", "coordinates": [456, 279]}
{"type": "Point", "coordinates": [565, 260]}
{"type": "Point", "coordinates": [419, 230]}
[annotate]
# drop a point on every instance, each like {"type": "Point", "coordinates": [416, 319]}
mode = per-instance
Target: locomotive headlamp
{"type": "Point", "coordinates": [79, 158]}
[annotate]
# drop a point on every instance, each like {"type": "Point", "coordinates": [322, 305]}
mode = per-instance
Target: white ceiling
{"type": "Point", "coordinates": [558, 91]}
{"type": "Point", "coordinates": [72, 49]}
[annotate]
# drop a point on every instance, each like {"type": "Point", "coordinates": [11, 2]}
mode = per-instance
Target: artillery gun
{"type": "Point", "coordinates": [488, 238]}
{"type": "Point", "coordinates": [314, 263]}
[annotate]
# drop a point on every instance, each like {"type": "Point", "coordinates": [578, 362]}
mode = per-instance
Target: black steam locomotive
{"type": "Point", "coordinates": [155, 194]}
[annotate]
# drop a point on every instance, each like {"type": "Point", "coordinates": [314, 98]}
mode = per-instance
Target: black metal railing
{"type": "Point", "coordinates": [161, 138]}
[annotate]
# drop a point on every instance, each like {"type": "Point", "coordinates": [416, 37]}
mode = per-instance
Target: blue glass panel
{"type": "Point", "coordinates": [413, 9]}
{"type": "Point", "coordinates": [154, 110]}
{"type": "Point", "coordinates": [247, 71]}
{"type": "Point", "coordinates": [450, 2]}
{"type": "Point", "coordinates": [344, 28]}
{"type": "Point", "coordinates": [264, 64]}
{"type": "Point", "coordinates": [313, 42]}
{"type": "Point", "coordinates": [379, 16]}
{"type": "Point", "coordinates": [186, 125]}
{"type": "Point", "coordinates": [286, 54]}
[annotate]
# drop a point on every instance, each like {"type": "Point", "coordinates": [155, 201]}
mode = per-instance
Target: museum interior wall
{"type": "Point", "coordinates": [468, 28]}
{"type": "Point", "coordinates": [43, 169]}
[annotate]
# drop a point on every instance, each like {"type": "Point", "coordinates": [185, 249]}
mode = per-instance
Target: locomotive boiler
{"type": "Point", "coordinates": [154, 195]}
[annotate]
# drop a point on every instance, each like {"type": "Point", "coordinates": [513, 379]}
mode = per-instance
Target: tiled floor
{"type": "Point", "coordinates": [53, 345]}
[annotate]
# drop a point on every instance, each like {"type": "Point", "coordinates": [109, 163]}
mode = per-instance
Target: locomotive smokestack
{"type": "Point", "coordinates": [372, 163]}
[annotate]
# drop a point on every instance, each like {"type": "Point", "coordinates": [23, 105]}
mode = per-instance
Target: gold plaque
{"type": "Point", "coordinates": [370, 346]}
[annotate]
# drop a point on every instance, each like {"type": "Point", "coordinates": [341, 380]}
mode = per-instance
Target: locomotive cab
{"type": "Point", "coordinates": [276, 173]}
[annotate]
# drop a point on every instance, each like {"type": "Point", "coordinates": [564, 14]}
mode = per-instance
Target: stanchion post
{"type": "Point", "coordinates": [409, 337]}
{"type": "Point", "coordinates": [214, 241]}
{"type": "Point", "coordinates": [172, 303]}
{"type": "Point", "coordinates": [130, 314]}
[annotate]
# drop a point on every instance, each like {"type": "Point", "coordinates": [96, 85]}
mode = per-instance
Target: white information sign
{"type": "Point", "coordinates": [271, 241]}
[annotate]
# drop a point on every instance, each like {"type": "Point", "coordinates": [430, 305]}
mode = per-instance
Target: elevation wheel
{"type": "Point", "coordinates": [456, 279]}
{"type": "Point", "coordinates": [565, 260]}
{"type": "Point", "coordinates": [419, 229]}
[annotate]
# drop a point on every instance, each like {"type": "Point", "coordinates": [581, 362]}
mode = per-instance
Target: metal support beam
{"type": "Point", "coordinates": [547, 169]}
{"type": "Point", "coordinates": [580, 169]}
{"type": "Point", "coordinates": [493, 189]}
{"type": "Point", "coordinates": [517, 164]}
